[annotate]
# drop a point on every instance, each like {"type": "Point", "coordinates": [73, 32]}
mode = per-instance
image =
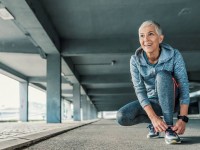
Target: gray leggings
{"type": "Point", "coordinates": [132, 113]}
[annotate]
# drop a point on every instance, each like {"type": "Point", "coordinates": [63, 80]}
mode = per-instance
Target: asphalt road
{"type": "Point", "coordinates": [108, 135]}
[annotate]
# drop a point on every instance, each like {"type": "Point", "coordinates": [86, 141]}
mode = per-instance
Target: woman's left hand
{"type": "Point", "coordinates": [179, 127]}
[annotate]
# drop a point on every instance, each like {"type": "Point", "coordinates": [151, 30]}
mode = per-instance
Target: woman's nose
{"type": "Point", "coordinates": [146, 38]}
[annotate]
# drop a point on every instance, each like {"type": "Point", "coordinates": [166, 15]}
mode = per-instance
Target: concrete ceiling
{"type": "Point", "coordinates": [96, 39]}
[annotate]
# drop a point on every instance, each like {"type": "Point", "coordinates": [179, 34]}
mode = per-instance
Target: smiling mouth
{"type": "Point", "coordinates": [148, 45]}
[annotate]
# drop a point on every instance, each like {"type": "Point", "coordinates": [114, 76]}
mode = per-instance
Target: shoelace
{"type": "Point", "coordinates": [169, 131]}
{"type": "Point", "coordinates": [151, 128]}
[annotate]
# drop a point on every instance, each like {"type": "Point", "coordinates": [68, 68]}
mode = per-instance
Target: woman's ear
{"type": "Point", "coordinates": [161, 38]}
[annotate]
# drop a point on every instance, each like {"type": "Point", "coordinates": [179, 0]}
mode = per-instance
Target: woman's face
{"type": "Point", "coordinates": [149, 39]}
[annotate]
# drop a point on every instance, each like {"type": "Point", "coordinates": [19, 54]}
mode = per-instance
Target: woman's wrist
{"type": "Point", "coordinates": [183, 110]}
{"type": "Point", "coordinates": [150, 112]}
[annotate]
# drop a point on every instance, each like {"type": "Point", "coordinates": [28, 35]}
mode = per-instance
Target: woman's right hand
{"type": "Point", "coordinates": [159, 124]}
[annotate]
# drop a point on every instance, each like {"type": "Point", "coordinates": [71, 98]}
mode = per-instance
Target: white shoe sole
{"type": "Point", "coordinates": [172, 141]}
{"type": "Point", "coordinates": [152, 137]}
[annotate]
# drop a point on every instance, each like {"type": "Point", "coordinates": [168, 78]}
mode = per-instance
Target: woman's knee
{"type": "Point", "coordinates": [126, 114]}
{"type": "Point", "coordinates": [121, 117]}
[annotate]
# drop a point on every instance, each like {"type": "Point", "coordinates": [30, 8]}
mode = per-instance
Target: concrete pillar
{"type": "Point", "coordinates": [102, 115]}
{"type": "Point", "coordinates": [199, 105]}
{"type": "Point", "coordinates": [23, 94]}
{"type": "Point", "coordinates": [69, 111]}
{"type": "Point", "coordinates": [92, 111]}
{"type": "Point", "coordinates": [88, 110]}
{"type": "Point", "coordinates": [96, 113]}
{"type": "Point", "coordinates": [77, 102]}
{"type": "Point", "coordinates": [84, 107]}
{"type": "Point", "coordinates": [53, 88]}
{"type": "Point", "coordinates": [64, 110]}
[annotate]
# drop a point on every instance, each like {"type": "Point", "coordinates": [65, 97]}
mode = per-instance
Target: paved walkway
{"type": "Point", "coordinates": [14, 135]}
{"type": "Point", "coordinates": [108, 135]}
{"type": "Point", "coordinates": [96, 135]}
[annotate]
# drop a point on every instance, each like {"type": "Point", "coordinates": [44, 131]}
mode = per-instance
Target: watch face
{"type": "Point", "coordinates": [184, 118]}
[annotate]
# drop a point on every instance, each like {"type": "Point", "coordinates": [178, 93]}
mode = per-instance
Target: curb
{"type": "Point", "coordinates": [31, 139]}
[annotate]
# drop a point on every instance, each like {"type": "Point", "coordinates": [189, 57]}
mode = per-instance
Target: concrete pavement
{"type": "Point", "coordinates": [108, 135]}
{"type": "Point", "coordinates": [15, 135]}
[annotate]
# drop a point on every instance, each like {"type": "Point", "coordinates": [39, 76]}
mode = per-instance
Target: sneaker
{"type": "Point", "coordinates": [171, 137]}
{"type": "Point", "coordinates": [152, 133]}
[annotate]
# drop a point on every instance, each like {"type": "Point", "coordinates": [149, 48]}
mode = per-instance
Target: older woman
{"type": "Point", "coordinates": [161, 84]}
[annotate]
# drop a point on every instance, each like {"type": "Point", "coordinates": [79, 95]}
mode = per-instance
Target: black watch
{"type": "Point", "coordinates": [184, 118]}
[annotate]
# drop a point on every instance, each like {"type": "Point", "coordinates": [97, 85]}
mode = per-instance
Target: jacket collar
{"type": "Point", "coordinates": [167, 52]}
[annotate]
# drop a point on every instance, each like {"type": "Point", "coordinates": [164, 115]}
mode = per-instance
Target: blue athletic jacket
{"type": "Point", "coordinates": [143, 75]}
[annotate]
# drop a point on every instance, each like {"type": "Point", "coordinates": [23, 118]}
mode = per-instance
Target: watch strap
{"type": "Point", "coordinates": [184, 118]}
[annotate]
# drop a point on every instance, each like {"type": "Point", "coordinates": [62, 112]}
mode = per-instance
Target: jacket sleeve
{"type": "Point", "coordinates": [180, 75]}
{"type": "Point", "coordinates": [138, 83]}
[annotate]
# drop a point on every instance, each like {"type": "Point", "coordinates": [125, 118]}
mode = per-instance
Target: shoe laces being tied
{"type": "Point", "coordinates": [151, 128]}
{"type": "Point", "coordinates": [170, 132]}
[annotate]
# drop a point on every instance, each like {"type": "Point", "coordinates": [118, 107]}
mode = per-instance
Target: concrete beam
{"type": "Point", "coordinates": [106, 79]}
{"type": "Point", "coordinates": [114, 98]}
{"type": "Point", "coordinates": [105, 103]}
{"type": "Point", "coordinates": [68, 70]}
{"type": "Point", "coordinates": [12, 73]}
{"type": "Point", "coordinates": [110, 105]}
{"type": "Point", "coordinates": [38, 86]}
{"type": "Point", "coordinates": [110, 91]}
{"type": "Point", "coordinates": [40, 31]}
{"type": "Point", "coordinates": [111, 46]}
{"type": "Point", "coordinates": [70, 73]}
{"type": "Point", "coordinates": [44, 80]}
{"type": "Point", "coordinates": [94, 47]}
{"type": "Point", "coordinates": [111, 102]}
{"type": "Point", "coordinates": [37, 79]}
{"type": "Point", "coordinates": [23, 47]}
{"type": "Point", "coordinates": [39, 11]}
{"type": "Point", "coordinates": [65, 91]}
{"type": "Point", "coordinates": [68, 99]}
{"type": "Point", "coordinates": [31, 26]}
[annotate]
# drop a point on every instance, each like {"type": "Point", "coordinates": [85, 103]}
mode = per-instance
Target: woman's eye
{"type": "Point", "coordinates": [151, 33]}
{"type": "Point", "coordinates": [141, 36]}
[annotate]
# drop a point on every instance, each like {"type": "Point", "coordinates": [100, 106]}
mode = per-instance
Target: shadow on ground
{"type": "Point", "coordinates": [190, 140]}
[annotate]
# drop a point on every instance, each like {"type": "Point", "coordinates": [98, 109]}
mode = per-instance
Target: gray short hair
{"type": "Point", "coordinates": [155, 24]}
